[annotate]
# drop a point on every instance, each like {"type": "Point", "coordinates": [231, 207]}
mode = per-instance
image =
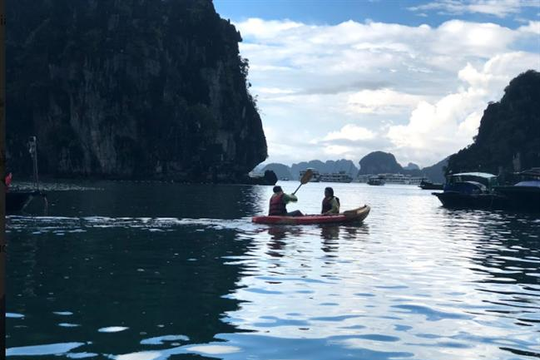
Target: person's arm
{"type": "Point", "coordinates": [288, 198]}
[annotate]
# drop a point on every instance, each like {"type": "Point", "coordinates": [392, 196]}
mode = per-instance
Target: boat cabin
{"type": "Point", "coordinates": [473, 182]}
{"type": "Point", "coordinates": [530, 178]}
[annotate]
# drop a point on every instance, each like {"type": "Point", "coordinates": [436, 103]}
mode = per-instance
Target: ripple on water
{"type": "Point", "coordinates": [40, 350]}
{"type": "Point", "coordinates": [160, 340]}
{"type": "Point", "coordinates": [112, 329]}
{"type": "Point", "coordinates": [431, 314]}
{"type": "Point", "coordinates": [63, 313]}
{"type": "Point", "coordinates": [14, 315]}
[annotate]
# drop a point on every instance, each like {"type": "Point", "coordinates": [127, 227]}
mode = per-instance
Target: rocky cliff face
{"type": "Point", "coordinates": [129, 89]}
{"type": "Point", "coordinates": [509, 134]}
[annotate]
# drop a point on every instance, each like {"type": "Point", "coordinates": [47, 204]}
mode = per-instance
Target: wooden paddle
{"type": "Point", "coordinates": [305, 179]}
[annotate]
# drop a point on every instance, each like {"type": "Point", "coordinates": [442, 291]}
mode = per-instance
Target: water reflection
{"type": "Point", "coordinates": [278, 234]}
{"type": "Point", "coordinates": [504, 255]}
{"type": "Point", "coordinates": [106, 290]}
{"type": "Point", "coordinates": [153, 199]}
{"type": "Point", "coordinates": [144, 272]}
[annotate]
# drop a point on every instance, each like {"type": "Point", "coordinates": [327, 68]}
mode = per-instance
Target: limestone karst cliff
{"type": "Point", "coordinates": [129, 89]}
{"type": "Point", "coordinates": [509, 134]}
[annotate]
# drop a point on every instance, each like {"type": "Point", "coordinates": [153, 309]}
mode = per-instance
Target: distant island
{"type": "Point", "coordinates": [129, 89]}
{"type": "Point", "coordinates": [374, 163]}
{"type": "Point", "coordinates": [508, 138]}
{"type": "Point", "coordinates": [328, 167]}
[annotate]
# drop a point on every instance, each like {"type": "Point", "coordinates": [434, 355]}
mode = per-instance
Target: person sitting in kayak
{"type": "Point", "coordinates": [279, 201]}
{"type": "Point", "coordinates": [330, 203]}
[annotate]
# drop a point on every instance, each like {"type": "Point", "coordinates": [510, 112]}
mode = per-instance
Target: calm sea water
{"type": "Point", "coordinates": [140, 271]}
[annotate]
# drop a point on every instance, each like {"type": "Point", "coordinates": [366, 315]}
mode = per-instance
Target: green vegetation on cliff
{"type": "Point", "coordinates": [130, 89]}
{"type": "Point", "coordinates": [509, 132]}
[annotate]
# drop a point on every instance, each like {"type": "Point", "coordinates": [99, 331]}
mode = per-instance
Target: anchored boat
{"type": "Point", "coordinates": [349, 216]}
{"type": "Point", "coordinates": [525, 195]}
{"type": "Point", "coordinates": [471, 190]}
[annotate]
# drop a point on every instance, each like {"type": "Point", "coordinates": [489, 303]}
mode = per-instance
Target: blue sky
{"type": "Point", "coordinates": [338, 79]}
{"type": "Point", "coordinates": [337, 11]}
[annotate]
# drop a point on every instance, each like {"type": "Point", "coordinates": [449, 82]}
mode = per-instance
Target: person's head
{"type": "Point", "coordinates": [328, 192]}
{"type": "Point", "coordinates": [277, 189]}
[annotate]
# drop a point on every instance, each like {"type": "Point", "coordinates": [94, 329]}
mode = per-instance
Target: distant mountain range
{"type": "Point", "coordinates": [292, 172]}
{"type": "Point", "coordinates": [377, 162]}
{"type": "Point", "coordinates": [327, 167]}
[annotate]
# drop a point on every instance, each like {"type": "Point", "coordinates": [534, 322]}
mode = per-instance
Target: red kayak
{"type": "Point", "coordinates": [348, 216]}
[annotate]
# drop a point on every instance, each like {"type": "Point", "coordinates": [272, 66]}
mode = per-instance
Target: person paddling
{"type": "Point", "coordinates": [330, 203]}
{"type": "Point", "coordinates": [279, 201]}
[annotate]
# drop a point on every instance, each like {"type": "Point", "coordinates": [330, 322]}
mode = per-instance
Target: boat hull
{"type": "Point", "coordinates": [356, 215]}
{"type": "Point", "coordinates": [476, 201]}
{"type": "Point", "coordinates": [521, 197]}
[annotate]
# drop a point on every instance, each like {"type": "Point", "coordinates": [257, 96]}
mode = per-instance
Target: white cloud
{"type": "Point", "coordinates": [337, 150]}
{"type": "Point", "coordinates": [499, 8]}
{"type": "Point", "coordinates": [266, 29]}
{"type": "Point", "coordinates": [383, 101]}
{"type": "Point", "coordinates": [451, 122]}
{"type": "Point", "coordinates": [533, 27]}
{"type": "Point", "coordinates": [350, 132]}
{"type": "Point", "coordinates": [419, 90]}
{"type": "Point", "coordinates": [272, 91]}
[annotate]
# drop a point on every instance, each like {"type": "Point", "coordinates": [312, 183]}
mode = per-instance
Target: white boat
{"type": "Point", "coordinates": [402, 179]}
{"type": "Point", "coordinates": [340, 177]}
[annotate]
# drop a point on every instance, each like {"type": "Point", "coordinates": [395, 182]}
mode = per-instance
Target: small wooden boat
{"type": "Point", "coordinates": [355, 215]}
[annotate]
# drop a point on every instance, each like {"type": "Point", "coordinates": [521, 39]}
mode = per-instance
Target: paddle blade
{"type": "Point", "coordinates": [307, 176]}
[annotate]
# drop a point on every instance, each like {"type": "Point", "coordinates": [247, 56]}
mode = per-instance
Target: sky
{"type": "Point", "coordinates": [339, 79]}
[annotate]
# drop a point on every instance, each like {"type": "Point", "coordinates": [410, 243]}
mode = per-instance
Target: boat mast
{"type": "Point", "coordinates": [32, 148]}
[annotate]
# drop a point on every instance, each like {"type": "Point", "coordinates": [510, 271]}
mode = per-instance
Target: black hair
{"type": "Point", "coordinates": [330, 191]}
{"type": "Point", "coordinates": [277, 189]}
